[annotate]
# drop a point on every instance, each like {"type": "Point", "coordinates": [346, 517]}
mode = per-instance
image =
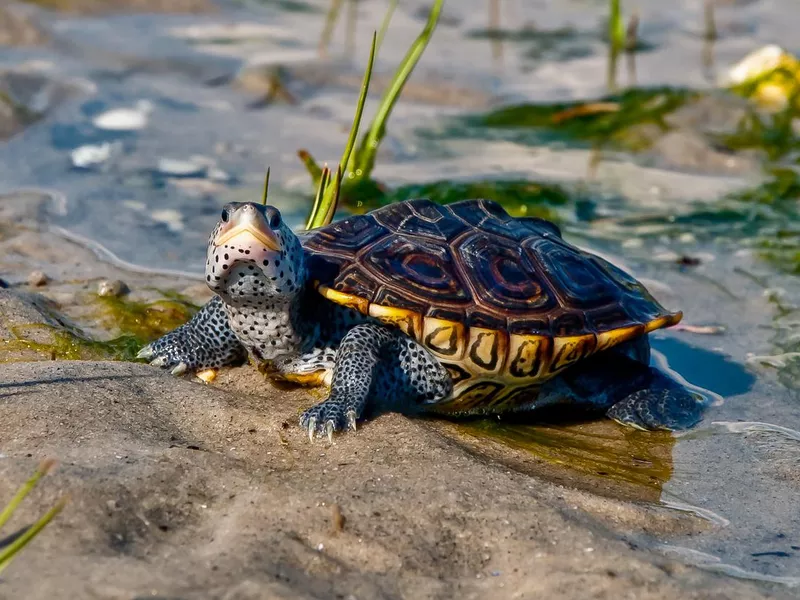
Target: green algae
{"type": "Point", "coordinates": [520, 198]}
{"type": "Point", "coordinates": [65, 345]}
{"type": "Point", "coordinates": [133, 323]}
{"type": "Point", "coordinates": [611, 120]}
{"type": "Point", "coordinates": [772, 133]}
{"type": "Point", "coordinates": [144, 321]}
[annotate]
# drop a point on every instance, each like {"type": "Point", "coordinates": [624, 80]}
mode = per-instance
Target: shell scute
{"type": "Point", "coordinates": [501, 275]}
{"type": "Point", "coordinates": [420, 218]}
{"type": "Point", "coordinates": [417, 267]}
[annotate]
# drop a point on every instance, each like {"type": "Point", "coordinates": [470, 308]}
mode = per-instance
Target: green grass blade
{"type": "Point", "coordinates": [386, 20]}
{"type": "Point", "coordinates": [333, 202]}
{"type": "Point", "coordinates": [314, 215]}
{"type": "Point", "coordinates": [8, 554]}
{"type": "Point", "coordinates": [266, 189]}
{"type": "Point", "coordinates": [25, 489]}
{"type": "Point", "coordinates": [365, 156]}
{"type": "Point", "coordinates": [327, 198]}
{"type": "Point", "coordinates": [362, 98]}
{"type": "Point", "coordinates": [616, 28]}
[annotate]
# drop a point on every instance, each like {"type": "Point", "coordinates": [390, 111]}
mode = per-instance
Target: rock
{"type": "Point", "coordinates": [113, 288]}
{"type": "Point", "coordinates": [38, 279]}
{"type": "Point", "coordinates": [18, 30]}
{"type": "Point", "coordinates": [26, 96]}
{"type": "Point", "coordinates": [185, 490]}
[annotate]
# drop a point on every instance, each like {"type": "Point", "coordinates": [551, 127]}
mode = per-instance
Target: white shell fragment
{"type": "Point", "coordinates": [85, 157]}
{"type": "Point", "coordinates": [125, 119]}
{"type": "Point", "coordinates": [180, 168]}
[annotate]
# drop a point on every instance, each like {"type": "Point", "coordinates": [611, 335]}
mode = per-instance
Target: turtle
{"type": "Point", "coordinates": [417, 307]}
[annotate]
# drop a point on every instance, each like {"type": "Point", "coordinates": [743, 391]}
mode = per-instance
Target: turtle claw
{"type": "Point", "coordinates": [159, 362]}
{"type": "Point", "coordinates": [146, 352]}
{"type": "Point", "coordinates": [351, 419]}
{"type": "Point", "coordinates": [180, 369]}
{"type": "Point", "coordinates": [327, 419]}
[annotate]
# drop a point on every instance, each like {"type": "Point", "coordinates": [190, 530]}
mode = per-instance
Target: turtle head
{"type": "Point", "coordinates": [253, 257]}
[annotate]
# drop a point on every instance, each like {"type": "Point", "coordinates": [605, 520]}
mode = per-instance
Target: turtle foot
{"type": "Point", "coordinates": [328, 417]}
{"type": "Point", "coordinates": [673, 408]}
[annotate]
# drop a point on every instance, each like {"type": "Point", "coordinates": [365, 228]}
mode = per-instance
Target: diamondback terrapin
{"type": "Point", "coordinates": [457, 309]}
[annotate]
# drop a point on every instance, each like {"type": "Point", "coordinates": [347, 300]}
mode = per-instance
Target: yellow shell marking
{"type": "Point", "coordinates": [486, 350]}
{"type": "Point", "coordinates": [408, 321]}
{"type": "Point", "coordinates": [570, 349]}
{"type": "Point", "coordinates": [349, 300]}
{"type": "Point", "coordinates": [528, 355]}
{"type": "Point", "coordinates": [667, 321]}
{"type": "Point", "coordinates": [608, 339]}
{"type": "Point", "coordinates": [443, 338]}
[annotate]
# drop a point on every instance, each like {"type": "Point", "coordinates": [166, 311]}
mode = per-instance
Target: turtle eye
{"type": "Point", "coordinates": [225, 215]}
{"type": "Point", "coordinates": [275, 220]}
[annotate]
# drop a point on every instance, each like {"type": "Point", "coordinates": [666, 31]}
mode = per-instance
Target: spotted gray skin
{"type": "Point", "coordinates": [205, 342]}
{"type": "Point", "coordinates": [266, 307]}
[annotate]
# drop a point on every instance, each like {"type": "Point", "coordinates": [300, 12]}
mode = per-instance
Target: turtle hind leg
{"type": "Point", "coordinates": [628, 391]}
{"type": "Point", "coordinates": [376, 368]}
{"type": "Point", "coordinates": [671, 407]}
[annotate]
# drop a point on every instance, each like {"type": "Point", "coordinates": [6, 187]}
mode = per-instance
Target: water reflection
{"type": "Point", "coordinates": [600, 456]}
{"type": "Point", "coordinates": [603, 456]}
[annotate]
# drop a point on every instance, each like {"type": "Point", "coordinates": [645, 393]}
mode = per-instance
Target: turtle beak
{"type": "Point", "coordinates": [245, 227]}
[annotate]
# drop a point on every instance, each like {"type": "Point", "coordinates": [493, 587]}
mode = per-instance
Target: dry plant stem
{"type": "Point", "coordinates": [330, 23]}
{"type": "Point", "coordinates": [385, 24]}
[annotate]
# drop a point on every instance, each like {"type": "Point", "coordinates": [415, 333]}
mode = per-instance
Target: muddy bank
{"type": "Point", "coordinates": [188, 491]}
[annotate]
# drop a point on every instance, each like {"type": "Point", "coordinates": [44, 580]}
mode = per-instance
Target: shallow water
{"type": "Point", "coordinates": [740, 469]}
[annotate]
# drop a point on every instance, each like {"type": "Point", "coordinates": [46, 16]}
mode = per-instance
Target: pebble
{"type": "Point", "coordinates": [37, 279]}
{"type": "Point", "coordinates": [169, 217]}
{"type": "Point", "coordinates": [633, 243]}
{"type": "Point", "coordinates": [85, 157]}
{"type": "Point", "coordinates": [180, 168]}
{"type": "Point", "coordinates": [125, 119]}
{"type": "Point", "coordinates": [112, 288]}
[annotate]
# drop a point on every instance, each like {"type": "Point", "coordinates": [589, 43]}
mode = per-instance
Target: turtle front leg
{"type": "Point", "coordinates": [205, 342]}
{"type": "Point", "coordinates": [379, 366]}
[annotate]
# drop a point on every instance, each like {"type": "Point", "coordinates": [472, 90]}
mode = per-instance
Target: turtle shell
{"type": "Point", "coordinates": [497, 297]}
